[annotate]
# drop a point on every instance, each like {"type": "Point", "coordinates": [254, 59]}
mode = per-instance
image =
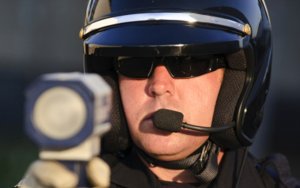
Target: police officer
{"type": "Point", "coordinates": [190, 79]}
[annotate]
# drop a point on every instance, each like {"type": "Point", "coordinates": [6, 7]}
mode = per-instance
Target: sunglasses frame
{"type": "Point", "coordinates": [212, 62]}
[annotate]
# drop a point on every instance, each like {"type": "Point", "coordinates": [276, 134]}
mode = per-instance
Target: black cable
{"type": "Point", "coordinates": [241, 168]}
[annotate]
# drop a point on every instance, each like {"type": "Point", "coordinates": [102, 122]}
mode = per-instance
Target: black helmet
{"type": "Point", "coordinates": [238, 30]}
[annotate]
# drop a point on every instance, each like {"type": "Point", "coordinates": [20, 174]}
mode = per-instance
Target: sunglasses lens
{"type": "Point", "coordinates": [187, 67]}
{"type": "Point", "coordinates": [134, 67]}
{"type": "Point", "coordinates": [178, 67]}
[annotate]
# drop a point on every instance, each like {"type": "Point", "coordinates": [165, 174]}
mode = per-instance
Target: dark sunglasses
{"type": "Point", "coordinates": [178, 67]}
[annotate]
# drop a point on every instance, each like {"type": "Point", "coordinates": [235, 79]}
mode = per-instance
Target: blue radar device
{"type": "Point", "coordinates": [66, 114]}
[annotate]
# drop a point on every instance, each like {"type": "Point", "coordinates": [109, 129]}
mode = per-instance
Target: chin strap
{"type": "Point", "coordinates": [205, 171]}
{"type": "Point", "coordinates": [203, 162]}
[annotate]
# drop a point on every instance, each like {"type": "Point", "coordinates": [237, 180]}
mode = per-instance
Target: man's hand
{"type": "Point", "coordinates": [43, 173]}
{"type": "Point", "coordinates": [98, 172]}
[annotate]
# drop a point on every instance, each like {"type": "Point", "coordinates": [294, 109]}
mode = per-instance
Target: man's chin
{"type": "Point", "coordinates": [168, 157]}
{"type": "Point", "coordinates": [165, 154]}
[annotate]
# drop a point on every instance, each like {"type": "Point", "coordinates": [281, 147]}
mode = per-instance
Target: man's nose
{"type": "Point", "coordinates": [160, 82]}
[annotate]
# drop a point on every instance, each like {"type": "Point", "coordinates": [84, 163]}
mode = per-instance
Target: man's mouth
{"type": "Point", "coordinates": [148, 119]}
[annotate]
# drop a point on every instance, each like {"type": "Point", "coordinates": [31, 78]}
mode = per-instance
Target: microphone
{"type": "Point", "coordinates": [169, 120]}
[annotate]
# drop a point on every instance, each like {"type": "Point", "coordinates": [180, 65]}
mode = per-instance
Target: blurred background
{"type": "Point", "coordinates": [41, 36]}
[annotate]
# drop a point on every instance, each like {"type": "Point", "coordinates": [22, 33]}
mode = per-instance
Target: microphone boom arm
{"type": "Point", "coordinates": [207, 129]}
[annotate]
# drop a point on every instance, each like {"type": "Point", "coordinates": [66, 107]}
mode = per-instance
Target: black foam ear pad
{"type": "Point", "coordinates": [227, 102]}
{"type": "Point", "coordinates": [117, 139]}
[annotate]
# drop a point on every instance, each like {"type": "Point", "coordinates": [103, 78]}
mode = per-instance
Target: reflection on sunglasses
{"type": "Point", "coordinates": [178, 67]}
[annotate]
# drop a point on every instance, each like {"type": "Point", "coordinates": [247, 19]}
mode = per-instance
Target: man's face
{"type": "Point", "coordinates": [194, 97]}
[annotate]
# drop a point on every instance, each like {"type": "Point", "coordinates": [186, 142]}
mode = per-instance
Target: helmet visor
{"type": "Point", "coordinates": [164, 40]}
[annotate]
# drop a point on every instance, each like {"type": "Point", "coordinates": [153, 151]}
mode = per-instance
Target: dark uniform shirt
{"type": "Point", "coordinates": [132, 173]}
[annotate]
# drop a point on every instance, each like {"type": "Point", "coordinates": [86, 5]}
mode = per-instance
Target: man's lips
{"type": "Point", "coordinates": [149, 116]}
{"type": "Point", "coordinates": [148, 120]}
